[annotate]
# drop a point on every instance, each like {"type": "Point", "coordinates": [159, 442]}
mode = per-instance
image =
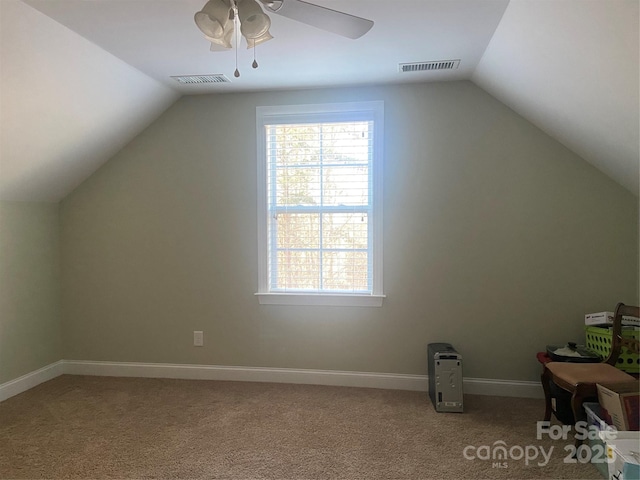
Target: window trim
{"type": "Point", "coordinates": [327, 112]}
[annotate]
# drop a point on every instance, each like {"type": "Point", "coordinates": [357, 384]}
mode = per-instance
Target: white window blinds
{"type": "Point", "coordinates": [321, 230]}
{"type": "Point", "coordinates": [319, 184]}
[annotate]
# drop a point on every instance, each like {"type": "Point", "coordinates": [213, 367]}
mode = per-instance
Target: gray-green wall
{"type": "Point", "coordinates": [496, 239]}
{"type": "Point", "coordinates": [29, 288]}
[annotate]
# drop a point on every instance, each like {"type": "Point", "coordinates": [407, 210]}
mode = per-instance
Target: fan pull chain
{"type": "Point", "coordinates": [236, 29]}
{"type": "Point", "coordinates": [237, 72]}
{"type": "Point", "coordinates": [255, 63]}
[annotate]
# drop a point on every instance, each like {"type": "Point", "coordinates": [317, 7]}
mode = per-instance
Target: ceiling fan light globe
{"type": "Point", "coordinates": [211, 28]}
{"type": "Point", "coordinates": [253, 21]}
{"type": "Point", "coordinates": [212, 19]}
{"type": "Point", "coordinates": [224, 41]}
{"type": "Point", "coordinates": [252, 42]}
{"type": "Point", "coordinates": [255, 26]}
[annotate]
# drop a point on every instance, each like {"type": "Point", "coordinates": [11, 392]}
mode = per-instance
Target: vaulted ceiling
{"type": "Point", "coordinates": [81, 78]}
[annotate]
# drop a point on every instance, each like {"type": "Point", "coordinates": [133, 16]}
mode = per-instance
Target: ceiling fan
{"type": "Point", "coordinates": [220, 19]}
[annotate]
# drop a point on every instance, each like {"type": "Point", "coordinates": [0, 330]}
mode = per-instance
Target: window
{"type": "Point", "coordinates": [319, 204]}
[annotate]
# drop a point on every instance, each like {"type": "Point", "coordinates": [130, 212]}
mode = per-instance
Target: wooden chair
{"type": "Point", "coordinates": [580, 379]}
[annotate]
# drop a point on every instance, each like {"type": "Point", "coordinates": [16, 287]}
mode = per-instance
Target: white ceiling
{"type": "Point", "coordinates": [160, 38]}
{"type": "Point", "coordinates": [81, 78]}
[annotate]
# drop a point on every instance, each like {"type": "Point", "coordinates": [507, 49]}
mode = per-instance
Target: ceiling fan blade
{"type": "Point", "coordinates": [327, 19]}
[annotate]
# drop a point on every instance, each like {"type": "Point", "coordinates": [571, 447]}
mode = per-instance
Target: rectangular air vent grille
{"type": "Point", "coordinates": [427, 66]}
{"type": "Point", "coordinates": [201, 79]}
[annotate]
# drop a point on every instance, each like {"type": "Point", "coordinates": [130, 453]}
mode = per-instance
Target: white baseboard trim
{"type": "Point", "coordinates": [30, 380]}
{"type": "Point", "coordinates": [476, 386]}
{"type": "Point", "coordinates": [249, 374]}
{"type": "Point", "coordinates": [503, 388]}
{"type": "Point", "coordinates": [389, 381]}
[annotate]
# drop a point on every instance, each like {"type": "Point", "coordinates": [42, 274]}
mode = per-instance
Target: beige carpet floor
{"type": "Point", "coordinates": [105, 427]}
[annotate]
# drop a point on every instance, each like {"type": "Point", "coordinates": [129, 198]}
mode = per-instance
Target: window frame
{"type": "Point", "coordinates": [321, 113]}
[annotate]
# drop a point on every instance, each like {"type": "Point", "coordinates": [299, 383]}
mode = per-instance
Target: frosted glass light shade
{"type": "Point", "coordinates": [252, 42]}
{"type": "Point", "coordinates": [213, 17]}
{"type": "Point", "coordinates": [225, 41]}
{"type": "Point", "coordinates": [254, 23]}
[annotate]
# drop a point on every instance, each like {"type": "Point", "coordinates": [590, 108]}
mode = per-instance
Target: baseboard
{"type": "Point", "coordinates": [249, 374]}
{"type": "Point", "coordinates": [503, 388]}
{"type": "Point", "coordinates": [390, 381]}
{"type": "Point", "coordinates": [477, 386]}
{"type": "Point", "coordinates": [30, 380]}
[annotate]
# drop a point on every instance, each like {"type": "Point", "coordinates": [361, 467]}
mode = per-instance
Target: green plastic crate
{"type": "Point", "coordinates": [599, 340]}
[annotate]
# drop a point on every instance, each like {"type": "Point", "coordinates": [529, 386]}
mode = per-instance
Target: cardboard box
{"type": "Point", "coordinates": [631, 321]}
{"type": "Point", "coordinates": [606, 318]}
{"type": "Point", "coordinates": [600, 318]}
{"type": "Point", "coordinates": [622, 403]}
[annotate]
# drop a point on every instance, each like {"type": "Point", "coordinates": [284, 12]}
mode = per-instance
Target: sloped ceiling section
{"type": "Point", "coordinates": [66, 105]}
{"type": "Point", "coordinates": [571, 68]}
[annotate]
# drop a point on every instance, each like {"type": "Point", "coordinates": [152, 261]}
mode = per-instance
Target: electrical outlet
{"type": "Point", "coordinates": [198, 338]}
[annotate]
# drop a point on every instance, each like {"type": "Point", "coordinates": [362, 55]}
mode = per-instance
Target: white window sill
{"type": "Point", "coordinates": [318, 299]}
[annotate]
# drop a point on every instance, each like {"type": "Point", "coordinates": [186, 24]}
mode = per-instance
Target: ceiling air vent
{"type": "Point", "coordinates": [201, 79]}
{"type": "Point", "coordinates": [428, 66]}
